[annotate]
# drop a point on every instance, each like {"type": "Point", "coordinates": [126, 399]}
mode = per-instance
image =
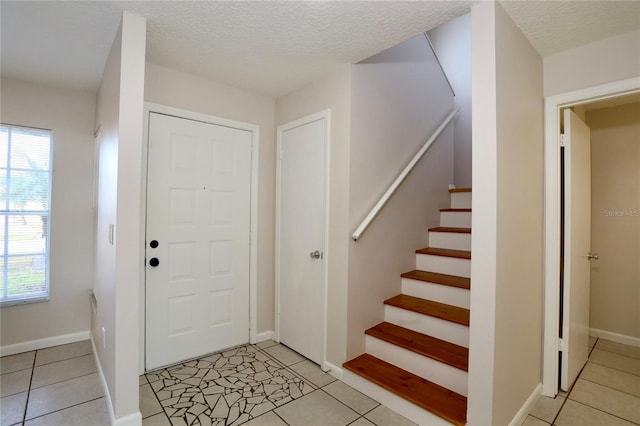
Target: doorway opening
{"type": "Point", "coordinates": [611, 93]}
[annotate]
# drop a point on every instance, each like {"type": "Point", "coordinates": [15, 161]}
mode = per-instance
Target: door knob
{"type": "Point", "coordinates": [315, 255]}
{"type": "Point", "coordinates": [593, 256]}
{"type": "Point", "coordinates": [154, 262]}
{"type": "Point", "coordinates": [153, 243]}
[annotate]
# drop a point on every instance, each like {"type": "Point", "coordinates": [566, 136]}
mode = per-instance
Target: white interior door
{"type": "Point", "coordinates": [577, 246]}
{"type": "Point", "coordinates": [198, 221]}
{"type": "Point", "coordinates": [300, 233]}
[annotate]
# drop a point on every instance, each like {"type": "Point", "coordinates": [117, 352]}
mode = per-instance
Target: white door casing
{"type": "Point", "coordinates": [198, 209]}
{"type": "Point", "coordinates": [553, 104]}
{"type": "Point", "coordinates": [577, 247]}
{"type": "Point", "coordinates": [301, 227]}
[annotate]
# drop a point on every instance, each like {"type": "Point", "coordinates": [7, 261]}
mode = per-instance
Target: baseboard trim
{"type": "Point", "coordinates": [334, 370]}
{"type": "Point", "coordinates": [265, 335]}
{"type": "Point", "coordinates": [615, 337]}
{"type": "Point", "coordinates": [528, 405]}
{"type": "Point", "coordinates": [133, 419]}
{"type": "Point", "coordinates": [47, 342]}
{"type": "Point", "coordinates": [103, 383]}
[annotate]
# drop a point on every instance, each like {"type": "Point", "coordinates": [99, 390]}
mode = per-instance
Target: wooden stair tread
{"type": "Point", "coordinates": [434, 398]}
{"type": "Point", "coordinates": [445, 352]}
{"type": "Point", "coordinates": [428, 307]}
{"type": "Point", "coordinates": [460, 254]}
{"type": "Point", "coordinates": [443, 279]}
{"type": "Point", "coordinates": [450, 229]}
{"type": "Point", "coordinates": [456, 210]}
{"type": "Point", "coordinates": [452, 190]}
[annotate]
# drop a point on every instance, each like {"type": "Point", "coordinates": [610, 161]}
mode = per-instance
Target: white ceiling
{"type": "Point", "coordinates": [272, 47]}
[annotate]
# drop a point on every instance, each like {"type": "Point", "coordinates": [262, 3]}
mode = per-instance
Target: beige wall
{"type": "Point", "coordinates": [70, 115]}
{"type": "Point", "coordinates": [173, 88]}
{"type": "Point", "coordinates": [119, 117]}
{"type": "Point", "coordinates": [452, 42]}
{"type": "Point", "coordinates": [601, 62]}
{"type": "Point", "coordinates": [513, 212]}
{"type": "Point", "coordinates": [615, 219]}
{"type": "Point", "coordinates": [332, 93]}
{"type": "Point", "coordinates": [398, 98]}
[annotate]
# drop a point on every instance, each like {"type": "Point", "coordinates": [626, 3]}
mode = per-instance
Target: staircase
{"type": "Point", "coordinates": [417, 359]}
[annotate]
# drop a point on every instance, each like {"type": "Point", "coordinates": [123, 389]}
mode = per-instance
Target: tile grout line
{"type": "Point", "coordinates": [602, 411]}
{"type": "Point", "coordinates": [26, 405]}
{"type": "Point", "coordinates": [62, 360]}
{"type": "Point", "coordinates": [65, 380]}
{"type": "Point", "coordinates": [65, 408]}
{"type": "Point", "coordinates": [157, 399]}
{"type": "Point", "coordinates": [609, 387]}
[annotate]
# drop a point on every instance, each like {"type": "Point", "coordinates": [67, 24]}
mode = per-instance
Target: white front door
{"type": "Point", "coordinates": [300, 235]}
{"type": "Point", "coordinates": [197, 239]}
{"type": "Point", "coordinates": [577, 246]}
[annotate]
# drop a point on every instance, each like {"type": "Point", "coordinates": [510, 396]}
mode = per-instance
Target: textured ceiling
{"type": "Point", "coordinates": [272, 47]}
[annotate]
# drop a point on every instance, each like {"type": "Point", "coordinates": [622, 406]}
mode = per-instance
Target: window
{"type": "Point", "coordinates": [25, 177]}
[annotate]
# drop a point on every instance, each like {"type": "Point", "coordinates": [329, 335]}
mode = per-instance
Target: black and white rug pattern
{"type": "Point", "coordinates": [227, 388]}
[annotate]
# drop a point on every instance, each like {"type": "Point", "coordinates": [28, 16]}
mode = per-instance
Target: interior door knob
{"type": "Point", "coordinates": [154, 262]}
{"type": "Point", "coordinates": [315, 254]}
{"type": "Point", "coordinates": [593, 256]}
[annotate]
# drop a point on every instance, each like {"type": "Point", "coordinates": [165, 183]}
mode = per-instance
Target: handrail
{"type": "Point", "coordinates": [396, 183]}
{"type": "Point", "coordinates": [433, 49]}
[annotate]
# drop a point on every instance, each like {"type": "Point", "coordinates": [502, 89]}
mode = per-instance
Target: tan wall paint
{"type": "Point", "coordinates": [615, 219]}
{"type": "Point", "coordinates": [332, 93]}
{"type": "Point", "coordinates": [177, 89]}
{"type": "Point", "coordinates": [70, 114]}
{"type": "Point", "coordinates": [519, 286]}
{"type": "Point", "coordinates": [398, 98]}
{"type": "Point", "coordinates": [119, 116]}
{"type": "Point", "coordinates": [505, 363]}
{"type": "Point", "coordinates": [601, 62]}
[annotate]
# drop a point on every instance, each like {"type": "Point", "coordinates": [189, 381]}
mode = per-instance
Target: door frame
{"type": "Point", "coordinates": [552, 107]}
{"type": "Point", "coordinates": [149, 108]}
{"type": "Point", "coordinates": [326, 115]}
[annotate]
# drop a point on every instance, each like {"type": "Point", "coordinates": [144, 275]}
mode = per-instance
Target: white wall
{"type": "Point", "coordinates": [604, 61]}
{"type": "Point", "coordinates": [177, 89]}
{"type": "Point", "coordinates": [331, 93]}
{"type": "Point", "coordinates": [615, 219]}
{"type": "Point", "coordinates": [508, 170]}
{"type": "Point", "coordinates": [69, 114]}
{"type": "Point", "coordinates": [398, 98]}
{"type": "Point", "coordinates": [452, 42]}
{"type": "Point", "coordinates": [119, 115]}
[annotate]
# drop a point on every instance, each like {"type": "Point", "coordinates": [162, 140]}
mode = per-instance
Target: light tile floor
{"type": "Point", "coordinates": [607, 391]}
{"type": "Point", "coordinates": [53, 386]}
{"type": "Point", "coordinates": [269, 384]}
{"type": "Point", "coordinates": [255, 385]}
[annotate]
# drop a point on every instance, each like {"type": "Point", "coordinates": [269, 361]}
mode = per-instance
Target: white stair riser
{"type": "Point", "coordinates": [442, 374]}
{"type": "Point", "coordinates": [450, 240]}
{"type": "Point", "coordinates": [425, 324]}
{"type": "Point", "coordinates": [437, 292]}
{"type": "Point", "coordinates": [455, 219]}
{"type": "Point", "coordinates": [393, 401]}
{"type": "Point", "coordinates": [444, 265]}
{"type": "Point", "coordinates": [461, 200]}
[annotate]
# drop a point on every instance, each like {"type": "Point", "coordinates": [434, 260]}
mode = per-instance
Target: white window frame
{"type": "Point", "coordinates": [5, 211]}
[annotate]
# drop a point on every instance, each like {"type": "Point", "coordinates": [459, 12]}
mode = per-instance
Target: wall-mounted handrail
{"type": "Point", "coordinates": [401, 177]}
{"type": "Point", "coordinates": [439, 63]}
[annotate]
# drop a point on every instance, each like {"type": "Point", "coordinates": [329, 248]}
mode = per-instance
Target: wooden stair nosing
{"type": "Point", "coordinates": [436, 278]}
{"type": "Point", "coordinates": [459, 254]}
{"type": "Point", "coordinates": [456, 210]}
{"type": "Point", "coordinates": [454, 190]}
{"type": "Point", "coordinates": [451, 229]}
{"type": "Point", "coordinates": [439, 310]}
{"type": "Point", "coordinates": [429, 396]}
{"type": "Point", "coordinates": [445, 352]}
